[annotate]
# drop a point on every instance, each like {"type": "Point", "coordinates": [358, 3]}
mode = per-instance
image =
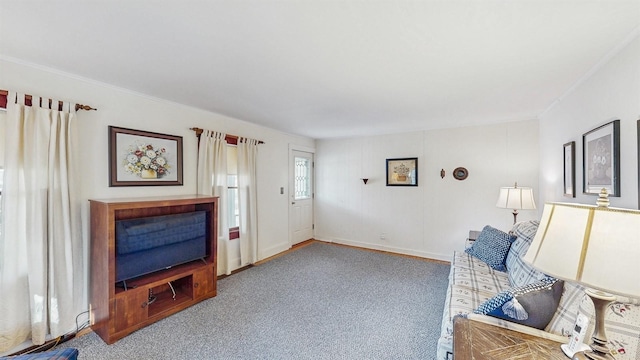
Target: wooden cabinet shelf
{"type": "Point", "coordinates": [116, 310]}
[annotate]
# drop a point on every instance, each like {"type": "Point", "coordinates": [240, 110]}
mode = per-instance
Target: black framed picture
{"type": "Point", "coordinates": [402, 172]}
{"type": "Point", "coordinates": [570, 169]}
{"type": "Point", "coordinates": [142, 158]}
{"type": "Point", "coordinates": [601, 159]}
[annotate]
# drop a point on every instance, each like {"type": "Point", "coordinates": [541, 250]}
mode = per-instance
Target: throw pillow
{"type": "Point", "coordinates": [492, 247]}
{"type": "Point", "coordinates": [524, 231]}
{"type": "Point", "coordinates": [532, 305]}
{"type": "Point", "coordinates": [521, 273]}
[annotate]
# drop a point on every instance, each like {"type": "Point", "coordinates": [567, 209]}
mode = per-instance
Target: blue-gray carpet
{"type": "Point", "coordinates": [320, 301]}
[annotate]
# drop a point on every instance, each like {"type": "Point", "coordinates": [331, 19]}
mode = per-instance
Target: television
{"type": "Point", "coordinates": [148, 244]}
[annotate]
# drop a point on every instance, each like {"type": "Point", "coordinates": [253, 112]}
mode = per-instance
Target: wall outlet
{"type": "Point", "coordinates": [383, 236]}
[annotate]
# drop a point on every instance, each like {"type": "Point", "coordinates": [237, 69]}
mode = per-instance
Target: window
{"type": "Point", "coordinates": [233, 212]}
{"type": "Point", "coordinates": [302, 178]}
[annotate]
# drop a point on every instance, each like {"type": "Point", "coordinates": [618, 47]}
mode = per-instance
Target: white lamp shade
{"type": "Point", "coordinates": [516, 198]}
{"type": "Point", "coordinates": [598, 247]}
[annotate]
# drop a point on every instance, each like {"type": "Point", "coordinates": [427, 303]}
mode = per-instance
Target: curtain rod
{"type": "Point", "coordinates": [27, 99]}
{"type": "Point", "coordinates": [233, 139]}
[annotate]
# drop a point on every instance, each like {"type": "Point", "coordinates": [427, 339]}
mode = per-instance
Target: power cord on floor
{"type": "Point", "coordinates": [52, 343]}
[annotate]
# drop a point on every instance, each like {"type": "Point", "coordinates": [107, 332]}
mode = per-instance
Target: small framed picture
{"type": "Point", "coordinates": [601, 159]}
{"type": "Point", "coordinates": [402, 172]}
{"type": "Point", "coordinates": [570, 169]}
{"type": "Point", "coordinates": [142, 158]}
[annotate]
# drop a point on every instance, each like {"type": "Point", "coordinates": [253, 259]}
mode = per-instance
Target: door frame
{"type": "Point", "coordinates": [290, 185]}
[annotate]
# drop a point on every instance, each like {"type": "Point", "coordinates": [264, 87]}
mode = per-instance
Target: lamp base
{"type": "Point", "coordinates": [592, 355]}
{"type": "Point", "coordinates": [599, 349]}
{"type": "Point", "coordinates": [570, 353]}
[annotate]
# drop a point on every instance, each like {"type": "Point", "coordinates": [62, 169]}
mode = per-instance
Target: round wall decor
{"type": "Point", "coordinates": [460, 173]}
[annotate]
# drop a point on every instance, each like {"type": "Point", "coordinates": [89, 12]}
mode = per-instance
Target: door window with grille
{"type": "Point", "coordinates": [302, 178]}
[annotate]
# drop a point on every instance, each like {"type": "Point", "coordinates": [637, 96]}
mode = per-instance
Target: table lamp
{"type": "Point", "coordinates": [516, 198]}
{"type": "Point", "coordinates": [596, 246]}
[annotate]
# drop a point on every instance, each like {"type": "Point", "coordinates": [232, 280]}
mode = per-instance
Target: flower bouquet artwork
{"type": "Point", "coordinates": [144, 158]}
{"type": "Point", "coordinates": [146, 162]}
{"type": "Point", "coordinates": [402, 172]}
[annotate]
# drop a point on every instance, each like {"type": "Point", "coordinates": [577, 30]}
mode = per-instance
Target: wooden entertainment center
{"type": "Point", "coordinates": [115, 311]}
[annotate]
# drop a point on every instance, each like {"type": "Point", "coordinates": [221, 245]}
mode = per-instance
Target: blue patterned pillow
{"type": "Point", "coordinates": [492, 247]}
{"type": "Point", "coordinates": [532, 305]}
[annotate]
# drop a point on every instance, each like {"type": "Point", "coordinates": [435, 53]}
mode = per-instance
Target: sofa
{"type": "Point", "coordinates": [481, 287]}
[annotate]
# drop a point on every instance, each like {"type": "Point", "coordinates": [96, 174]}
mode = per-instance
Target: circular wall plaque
{"type": "Point", "coordinates": [460, 173]}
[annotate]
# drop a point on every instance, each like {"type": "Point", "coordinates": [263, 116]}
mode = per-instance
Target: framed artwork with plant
{"type": "Point", "coordinates": [142, 158]}
{"type": "Point", "coordinates": [402, 172]}
{"type": "Point", "coordinates": [601, 159]}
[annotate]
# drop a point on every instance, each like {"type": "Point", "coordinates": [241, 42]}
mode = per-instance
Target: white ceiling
{"type": "Point", "coordinates": [329, 68]}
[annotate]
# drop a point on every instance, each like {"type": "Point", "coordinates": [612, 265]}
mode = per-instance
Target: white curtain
{"type": "Point", "coordinates": [212, 180]}
{"type": "Point", "coordinates": [247, 198]}
{"type": "Point", "coordinates": [41, 254]}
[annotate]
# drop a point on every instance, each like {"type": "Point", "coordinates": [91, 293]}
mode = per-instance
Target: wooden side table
{"type": "Point", "coordinates": [474, 340]}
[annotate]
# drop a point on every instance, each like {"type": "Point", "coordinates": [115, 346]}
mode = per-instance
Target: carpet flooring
{"type": "Point", "coordinates": [321, 301]}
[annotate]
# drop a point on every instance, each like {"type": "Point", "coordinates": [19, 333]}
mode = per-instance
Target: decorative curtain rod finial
{"type": "Point", "coordinates": [85, 107]}
{"type": "Point", "coordinates": [197, 130]}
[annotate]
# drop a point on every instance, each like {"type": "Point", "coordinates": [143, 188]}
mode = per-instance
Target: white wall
{"type": "Point", "coordinates": [122, 108]}
{"type": "Point", "coordinates": [612, 92]}
{"type": "Point", "coordinates": [433, 219]}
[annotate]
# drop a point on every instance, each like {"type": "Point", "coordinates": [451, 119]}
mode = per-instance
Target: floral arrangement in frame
{"type": "Point", "coordinates": [570, 169]}
{"type": "Point", "coordinates": [402, 172]}
{"type": "Point", "coordinates": [142, 158]}
{"type": "Point", "coordinates": [601, 159]}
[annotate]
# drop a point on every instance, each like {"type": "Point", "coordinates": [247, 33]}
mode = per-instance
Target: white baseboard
{"type": "Point", "coordinates": [235, 263]}
{"type": "Point", "coordinates": [393, 249]}
{"type": "Point", "coordinates": [274, 250]}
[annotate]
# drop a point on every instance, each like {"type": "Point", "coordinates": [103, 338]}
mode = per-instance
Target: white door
{"type": "Point", "coordinates": [301, 212]}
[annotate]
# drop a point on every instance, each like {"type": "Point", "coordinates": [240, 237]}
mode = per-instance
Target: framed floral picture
{"type": "Point", "coordinates": [402, 172]}
{"type": "Point", "coordinates": [601, 159]}
{"type": "Point", "coordinates": [142, 158]}
{"type": "Point", "coordinates": [570, 169]}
